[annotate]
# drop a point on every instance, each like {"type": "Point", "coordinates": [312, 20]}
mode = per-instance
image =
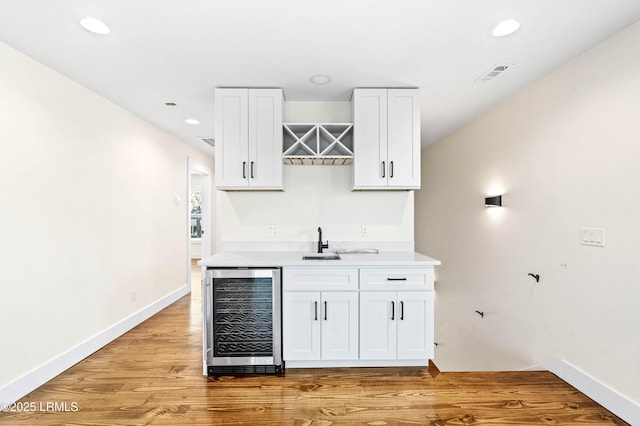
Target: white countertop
{"type": "Point", "coordinates": [294, 258]}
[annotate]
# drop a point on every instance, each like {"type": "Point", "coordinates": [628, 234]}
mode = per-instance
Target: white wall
{"type": "Point", "coordinates": [317, 112]}
{"type": "Point", "coordinates": [87, 214]}
{"type": "Point", "coordinates": [317, 196]}
{"type": "Point", "coordinates": [565, 152]}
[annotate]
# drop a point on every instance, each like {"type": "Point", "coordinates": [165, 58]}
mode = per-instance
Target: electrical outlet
{"type": "Point", "coordinates": [272, 231]}
{"type": "Point", "coordinates": [133, 295]}
{"type": "Point", "coordinates": [364, 230]}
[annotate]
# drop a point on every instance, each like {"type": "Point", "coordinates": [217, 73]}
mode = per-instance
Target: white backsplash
{"type": "Point", "coordinates": [311, 246]}
{"type": "Point", "coordinates": [315, 196]}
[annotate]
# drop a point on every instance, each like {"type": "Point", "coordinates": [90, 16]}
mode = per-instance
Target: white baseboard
{"type": "Point", "coordinates": [357, 363]}
{"type": "Point", "coordinates": [50, 369]}
{"type": "Point", "coordinates": [613, 401]}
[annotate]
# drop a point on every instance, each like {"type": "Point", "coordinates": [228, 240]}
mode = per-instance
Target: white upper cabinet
{"type": "Point", "coordinates": [248, 131]}
{"type": "Point", "coordinates": [386, 139]}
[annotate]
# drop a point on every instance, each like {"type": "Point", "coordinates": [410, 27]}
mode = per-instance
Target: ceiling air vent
{"type": "Point", "coordinates": [493, 72]}
{"type": "Point", "coordinates": [208, 141]}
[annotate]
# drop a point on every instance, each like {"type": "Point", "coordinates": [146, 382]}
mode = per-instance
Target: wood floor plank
{"type": "Point", "coordinates": [153, 376]}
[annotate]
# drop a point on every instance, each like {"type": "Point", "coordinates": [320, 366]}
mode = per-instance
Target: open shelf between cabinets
{"type": "Point", "coordinates": [318, 143]}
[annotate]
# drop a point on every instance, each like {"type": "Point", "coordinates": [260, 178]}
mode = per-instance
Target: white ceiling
{"type": "Point", "coordinates": [179, 51]}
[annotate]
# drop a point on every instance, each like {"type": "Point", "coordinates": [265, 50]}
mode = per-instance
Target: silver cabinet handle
{"type": "Point", "coordinates": [396, 279]}
{"type": "Point", "coordinates": [315, 307]}
{"type": "Point", "coordinates": [252, 170]}
{"type": "Point", "coordinates": [393, 310]}
{"type": "Point", "coordinates": [401, 310]}
{"type": "Point", "coordinates": [325, 310]}
{"type": "Point", "coordinates": [208, 312]}
{"type": "Point", "coordinates": [383, 169]}
{"type": "Point", "coordinates": [244, 170]}
{"type": "Point", "coordinates": [391, 169]}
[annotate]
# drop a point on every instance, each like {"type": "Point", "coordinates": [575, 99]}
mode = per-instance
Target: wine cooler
{"type": "Point", "coordinates": [242, 331]}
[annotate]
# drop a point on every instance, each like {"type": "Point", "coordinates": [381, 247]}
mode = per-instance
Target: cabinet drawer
{"type": "Point", "coordinates": [396, 279]}
{"type": "Point", "coordinates": [319, 279]}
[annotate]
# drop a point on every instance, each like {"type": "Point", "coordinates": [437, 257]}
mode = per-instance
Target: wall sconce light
{"type": "Point", "coordinates": [495, 201]}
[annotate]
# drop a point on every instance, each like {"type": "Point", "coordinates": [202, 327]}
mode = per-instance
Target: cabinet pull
{"type": "Point", "coordinates": [383, 169]}
{"type": "Point", "coordinates": [393, 310]}
{"type": "Point", "coordinates": [390, 169]}
{"type": "Point", "coordinates": [396, 279]}
{"type": "Point", "coordinates": [315, 307]}
{"type": "Point", "coordinates": [401, 310]}
{"type": "Point", "coordinates": [252, 170]}
{"type": "Point", "coordinates": [244, 170]}
{"type": "Point", "coordinates": [325, 310]}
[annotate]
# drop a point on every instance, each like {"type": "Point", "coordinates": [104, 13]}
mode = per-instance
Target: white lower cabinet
{"type": "Point", "coordinates": [300, 326]}
{"type": "Point", "coordinates": [339, 329]}
{"type": "Point", "coordinates": [345, 317]}
{"type": "Point", "coordinates": [320, 325]}
{"type": "Point", "coordinates": [378, 331]}
{"type": "Point", "coordinates": [396, 325]}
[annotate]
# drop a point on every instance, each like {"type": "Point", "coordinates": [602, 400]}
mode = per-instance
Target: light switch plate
{"type": "Point", "coordinates": [592, 237]}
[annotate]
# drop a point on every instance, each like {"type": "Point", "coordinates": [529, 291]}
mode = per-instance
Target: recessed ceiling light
{"type": "Point", "coordinates": [94, 25]}
{"type": "Point", "coordinates": [319, 79]}
{"type": "Point", "coordinates": [506, 27]}
{"type": "Point", "coordinates": [192, 121]}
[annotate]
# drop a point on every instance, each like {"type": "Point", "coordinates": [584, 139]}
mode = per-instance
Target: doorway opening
{"type": "Point", "coordinates": [199, 221]}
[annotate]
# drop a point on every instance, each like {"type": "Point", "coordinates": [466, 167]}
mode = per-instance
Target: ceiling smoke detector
{"type": "Point", "coordinates": [319, 79]}
{"type": "Point", "coordinates": [493, 72]}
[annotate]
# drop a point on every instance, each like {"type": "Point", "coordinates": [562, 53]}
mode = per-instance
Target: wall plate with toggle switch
{"type": "Point", "coordinates": [592, 237]}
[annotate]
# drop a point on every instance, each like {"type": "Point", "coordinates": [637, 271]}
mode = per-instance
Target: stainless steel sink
{"type": "Point", "coordinates": [321, 256]}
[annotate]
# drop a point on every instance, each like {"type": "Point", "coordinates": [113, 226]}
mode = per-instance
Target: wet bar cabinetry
{"type": "Point", "coordinates": [368, 316]}
{"type": "Point", "coordinates": [386, 139]}
{"type": "Point", "coordinates": [248, 128]}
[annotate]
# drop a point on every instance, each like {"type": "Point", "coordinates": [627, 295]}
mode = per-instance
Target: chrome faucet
{"type": "Point", "coordinates": [321, 245]}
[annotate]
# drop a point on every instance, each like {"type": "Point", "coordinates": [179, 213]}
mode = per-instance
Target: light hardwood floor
{"type": "Point", "coordinates": [153, 376]}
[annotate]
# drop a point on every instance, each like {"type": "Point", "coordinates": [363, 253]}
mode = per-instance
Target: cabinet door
{"type": "Point", "coordinates": [301, 326]}
{"type": "Point", "coordinates": [378, 318]}
{"type": "Point", "coordinates": [403, 147]}
{"type": "Point", "coordinates": [231, 132]}
{"type": "Point", "coordinates": [370, 166]}
{"type": "Point", "coordinates": [339, 325]}
{"type": "Point", "coordinates": [264, 169]}
{"type": "Point", "coordinates": [415, 325]}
